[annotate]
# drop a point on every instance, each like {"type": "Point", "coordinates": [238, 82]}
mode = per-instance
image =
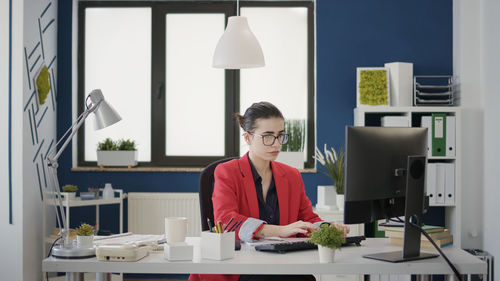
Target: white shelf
{"type": "Point", "coordinates": [441, 158]}
{"type": "Point", "coordinates": [68, 203]}
{"type": "Point", "coordinates": [407, 109]}
{"type": "Point", "coordinates": [94, 202]}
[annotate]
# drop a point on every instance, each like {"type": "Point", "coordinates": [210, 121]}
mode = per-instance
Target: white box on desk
{"type": "Point", "coordinates": [217, 246]}
{"type": "Point", "coordinates": [180, 251]}
{"type": "Point", "coordinates": [401, 83]}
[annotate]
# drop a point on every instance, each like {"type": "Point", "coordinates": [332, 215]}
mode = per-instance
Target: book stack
{"type": "Point", "coordinates": [440, 235]}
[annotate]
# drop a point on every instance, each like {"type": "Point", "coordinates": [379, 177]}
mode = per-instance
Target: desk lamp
{"type": "Point", "coordinates": [105, 115]}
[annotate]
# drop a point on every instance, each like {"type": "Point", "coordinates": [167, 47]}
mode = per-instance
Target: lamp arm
{"type": "Point", "coordinates": [53, 165]}
{"type": "Point", "coordinates": [74, 129]}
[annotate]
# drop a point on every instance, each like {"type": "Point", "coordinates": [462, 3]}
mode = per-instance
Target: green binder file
{"type": "Point", "coordinates": [438, 134]}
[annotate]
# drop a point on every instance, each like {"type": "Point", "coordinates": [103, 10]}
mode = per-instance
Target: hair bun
{"type": "Point", "coordinates": [240, 119]}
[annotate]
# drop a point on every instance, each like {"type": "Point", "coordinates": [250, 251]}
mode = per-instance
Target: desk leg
{"type": "Point", "coordinates": [103, 276]}
{"type": "Point", "coordinates": [74, 276]}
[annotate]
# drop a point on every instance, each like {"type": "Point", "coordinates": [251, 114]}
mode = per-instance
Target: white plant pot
{"type": "Point", "coordinates": [326, 255]}
{"type": "Point", "coordinates": [294, 159]}
{"type": "Point", "coordinates": [69, 195]}
{"type": "Point", "coordinates": [85, 241]}
{"type": "Point", "coordinates": [117, 158]}
{"type": "Point", "coordinates": [327, 198]}
{"type": "Point", "coordinates": [340, 201]}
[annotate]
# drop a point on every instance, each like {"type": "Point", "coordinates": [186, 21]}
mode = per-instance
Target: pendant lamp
{"type": "Point", "coordinates": [238, 47]}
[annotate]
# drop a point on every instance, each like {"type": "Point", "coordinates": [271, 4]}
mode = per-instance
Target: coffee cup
{"type": "Point", "coordinates": [175, 229]}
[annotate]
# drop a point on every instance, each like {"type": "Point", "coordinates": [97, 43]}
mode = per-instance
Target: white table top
{"type": "Point", "coordinates": [348, 260]}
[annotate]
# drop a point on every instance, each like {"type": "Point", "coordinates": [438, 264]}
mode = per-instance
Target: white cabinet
{"type": "Point", "coordinates": [415, 115]}
{"type": "Point", "coordinates": [77, 202]}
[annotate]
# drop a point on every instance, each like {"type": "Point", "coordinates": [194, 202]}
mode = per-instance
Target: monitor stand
{"type": "Point", "coordinates": [414, 207]}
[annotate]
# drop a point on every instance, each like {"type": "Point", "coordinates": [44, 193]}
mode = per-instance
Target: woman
{"type": "Point", "coordinates": [268, 196]}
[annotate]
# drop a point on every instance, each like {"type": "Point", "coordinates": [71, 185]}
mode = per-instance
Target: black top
{"type": "Point", "coordinates": [269, 209]}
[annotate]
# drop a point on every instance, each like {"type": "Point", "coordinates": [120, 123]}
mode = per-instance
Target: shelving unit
{"type": "Point", "coordinates": [370, 116]}
{"type": "Point", "coordinates": [68, 203]}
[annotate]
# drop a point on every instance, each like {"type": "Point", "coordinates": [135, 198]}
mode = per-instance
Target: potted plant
{"type": "Point", "coordinates": [69, 191]}
{"type": "Point", "coordinates": [328, 238]}
{"type": "Point", "coordinates": [333, 167]}
{"type": "Point", "coordinates": [85, 236]}
{"type": "Point", "coordinates": [116, 153]}
{"type": "Point", "coordinates": [292, 152]}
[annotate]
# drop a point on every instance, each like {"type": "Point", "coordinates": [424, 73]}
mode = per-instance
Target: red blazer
{"type": "Point", "coordinates": [235, 197]}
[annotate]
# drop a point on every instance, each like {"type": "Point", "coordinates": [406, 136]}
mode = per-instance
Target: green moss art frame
{"type": "Point", "coordinates": [43, 84]}
{"type": "Point", "coordinates": [373, 86]}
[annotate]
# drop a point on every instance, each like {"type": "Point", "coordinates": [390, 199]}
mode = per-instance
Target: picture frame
{"type": "Point", "coordinates": [372, 87]}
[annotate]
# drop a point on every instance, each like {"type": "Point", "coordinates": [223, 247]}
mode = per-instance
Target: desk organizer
{"type": "Point", "coordinates": [217, 246]}
{"type": "Point", "coordinates": [178, 251]}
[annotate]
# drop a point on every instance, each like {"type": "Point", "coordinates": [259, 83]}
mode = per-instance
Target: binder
{"type": "Point", "coordinates": [440, 182]}
{"type": "Point", "coordinates": [395, 121]}
{"type": "Point", "coordinates": [449, 186]}
{"type": "Point", "coordinates": [438, 134]}
{"type": "Point", "coordinates": [431, 183]}
{"type": "Point", "coordinates": [427, 123]}
{"type": "Point", "coordinates": [450, 136]}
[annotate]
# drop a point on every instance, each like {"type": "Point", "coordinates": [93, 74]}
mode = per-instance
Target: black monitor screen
{"type": "Point", "coordinates": [376, 162]}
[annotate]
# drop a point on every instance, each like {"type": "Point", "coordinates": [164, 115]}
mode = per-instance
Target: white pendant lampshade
{"type": "Point", "coordinates": [238, 47]}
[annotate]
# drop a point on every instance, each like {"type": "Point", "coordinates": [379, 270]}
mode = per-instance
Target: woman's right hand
{"type": "Point", "coordinates": [297, 227]}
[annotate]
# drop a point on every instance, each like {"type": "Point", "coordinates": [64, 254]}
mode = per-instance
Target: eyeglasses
{"type": "Point", "coordinates": [269, 140]}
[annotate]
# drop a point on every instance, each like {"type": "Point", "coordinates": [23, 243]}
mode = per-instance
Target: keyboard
{"type": "Point", "coordinates": [283, 247]}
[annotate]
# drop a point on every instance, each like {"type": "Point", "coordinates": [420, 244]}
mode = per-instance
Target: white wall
{"type": "Point", "coordinates": [34, 42]}
{"type": "Point", "coordinates": [490, 73]}
{"type": "Point", "coordinates": [11, 266]}
{"type": "Point", "coordinates": [39, 125]}
{"type": "Point", "coordinates": [466, 66]}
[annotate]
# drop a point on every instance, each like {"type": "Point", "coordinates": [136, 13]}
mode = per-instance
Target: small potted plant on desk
{"type": "Point", "coordinates": [69, 191]}
{"type": "Point", "coordinates": [328, 238]}
{"type": "Point", "coordinates": [85, 236]}
{"type": "Point", "coordinates": [116, 153]}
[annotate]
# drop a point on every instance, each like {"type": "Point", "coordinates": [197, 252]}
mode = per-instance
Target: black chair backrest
{"type": "Point", "coordinates": [206, 190]}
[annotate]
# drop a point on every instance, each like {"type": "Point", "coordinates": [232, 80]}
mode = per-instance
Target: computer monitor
{"type": "Point", "coordinates": [385, 178]}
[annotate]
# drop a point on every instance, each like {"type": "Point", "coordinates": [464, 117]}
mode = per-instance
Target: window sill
{"type": "Point", "coordinates": [155, 169]}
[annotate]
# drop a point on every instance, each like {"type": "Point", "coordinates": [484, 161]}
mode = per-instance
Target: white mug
{"type": "Point", "coordinates": [175, 229]}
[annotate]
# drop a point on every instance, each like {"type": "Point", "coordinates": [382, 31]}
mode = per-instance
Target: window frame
{"type": "Point", "coordinates": [158, 76]}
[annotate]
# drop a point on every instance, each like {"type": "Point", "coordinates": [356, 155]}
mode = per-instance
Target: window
{"type": "Point", "coordinates": [152, 61]}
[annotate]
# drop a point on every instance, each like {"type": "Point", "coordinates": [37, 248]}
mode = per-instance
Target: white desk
{"type": "Point", "coordinates": [248, 261]}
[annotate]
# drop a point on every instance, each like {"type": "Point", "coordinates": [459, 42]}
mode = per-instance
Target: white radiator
{"type": "Point", "coordinates": [147, 211]}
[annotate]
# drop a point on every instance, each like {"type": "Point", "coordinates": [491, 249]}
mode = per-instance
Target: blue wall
{"type": "Point", "coordinates": [349, 34]}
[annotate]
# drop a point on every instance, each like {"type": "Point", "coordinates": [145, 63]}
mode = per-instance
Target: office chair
{"type": "Point", "coordinates": [206, 190]}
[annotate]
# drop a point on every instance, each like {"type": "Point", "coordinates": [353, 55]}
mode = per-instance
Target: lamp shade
{"type": "Point", "coordinates": [238, 47]}
{"type": "Point", "coordinates": [105, 114]}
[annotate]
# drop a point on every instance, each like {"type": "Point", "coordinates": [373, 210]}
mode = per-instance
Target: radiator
{"type": "Point", "coordinates": [147, 211]}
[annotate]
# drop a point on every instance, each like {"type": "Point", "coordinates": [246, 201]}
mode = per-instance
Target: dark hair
{"type": "Point", "coordinates": [257, 110]}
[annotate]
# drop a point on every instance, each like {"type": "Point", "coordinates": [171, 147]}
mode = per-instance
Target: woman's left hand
{"type": "Point", "coordinates": [342, 227]}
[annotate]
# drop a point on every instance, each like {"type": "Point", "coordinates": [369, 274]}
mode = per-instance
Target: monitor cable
{"type": "Point", "coordinates": [457, 274]}
{"type": "Point", "coordinates": [50, 252]}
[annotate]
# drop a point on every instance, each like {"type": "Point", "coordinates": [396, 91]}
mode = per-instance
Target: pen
{"type": "Point", "coordinates": [231, 227]}
{"type": "Point", "coordinates": [209, 225]}
{"type": "Point", "coordinates": [235, 226]}
{"type": "Point", "coordinates": [219, 227]}
{"type": "Point", "coordinates": [228, 224]}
